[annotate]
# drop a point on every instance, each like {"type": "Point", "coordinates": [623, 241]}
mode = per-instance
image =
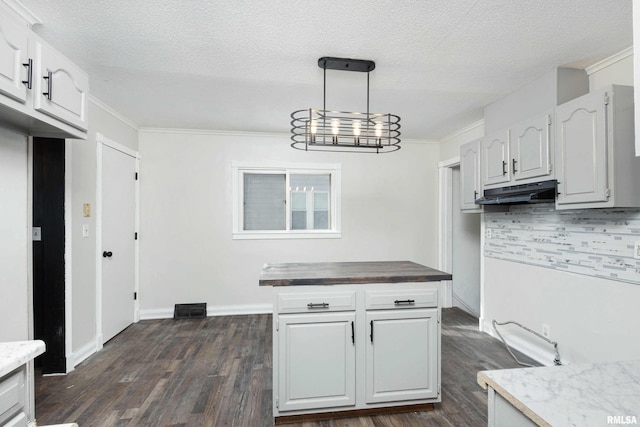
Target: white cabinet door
{"type": "Point", "coordinates": [316, 360]}
{"type": "Point", "coordinates": [61, 89]}
{"type": "Point", "coordinates": [495, 158]}
{"type": "Point", "coordinates": [581, 150]}
{"type": "Point", "coordinates": [14, 42]}
{"type": "Point", "coordinates": [470, 186]}
{"type": "Point", "coordinates": [402, 355]}
{"type": "Point", "coordinates": [530, 148]}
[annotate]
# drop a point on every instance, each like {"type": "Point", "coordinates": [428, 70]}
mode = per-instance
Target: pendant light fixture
{"type": "Point", "coordinates": [324, 130]}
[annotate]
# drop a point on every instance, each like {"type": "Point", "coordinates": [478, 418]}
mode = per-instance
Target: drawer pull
{"type": "Point", "coordinates": [404, 301]}
{"type": "Point", "coordinates": [318, 305]}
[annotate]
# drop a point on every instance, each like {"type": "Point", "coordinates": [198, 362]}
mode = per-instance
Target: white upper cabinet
{"type": "Point", "coordinates": [530, 148]}
{"type": "Point", "coordinates": [596, 166]}
{"type": "Point", "coordinates": [41, 92]}
{"type": "Point", "coordinates": [15, 65]}
{"type": "Point", "coordinates": [494, 158]}
{"type": "Point", "coordinates": [470, 184]}
{"type": "Point", "coordinates": [61, 88]}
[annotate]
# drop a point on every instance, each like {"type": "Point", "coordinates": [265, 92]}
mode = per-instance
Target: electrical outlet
{"type": "Point", "coordinates": [487, 233]}
{"type": "Point", "coordinates": [636, 249]}
{"type": "Point", "coordinates": [546, 331]}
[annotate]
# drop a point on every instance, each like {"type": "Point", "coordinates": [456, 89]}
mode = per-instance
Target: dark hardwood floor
{"type": "Point", "coordinates": [217, 372]}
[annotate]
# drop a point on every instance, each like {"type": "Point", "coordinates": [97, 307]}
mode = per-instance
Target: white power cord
{"type": "Point", "coordinates": [556, 360]}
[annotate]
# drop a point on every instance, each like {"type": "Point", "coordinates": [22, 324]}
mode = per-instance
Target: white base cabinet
{"type": "Point", "coordinates": [355, 347]}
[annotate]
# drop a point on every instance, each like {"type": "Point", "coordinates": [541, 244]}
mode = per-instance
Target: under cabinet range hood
{"type": "Point", "coordinates": [537, 192]}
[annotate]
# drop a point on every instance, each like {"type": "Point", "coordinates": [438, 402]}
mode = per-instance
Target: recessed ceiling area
{"type": "Point", "coordinates": [246, 65]}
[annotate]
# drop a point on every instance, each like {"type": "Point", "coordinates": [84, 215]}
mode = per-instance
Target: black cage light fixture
{"type": "Point", "coordinates": [325, 130]}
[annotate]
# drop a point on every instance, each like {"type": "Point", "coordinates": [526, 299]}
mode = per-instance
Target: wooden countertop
{"type": "Point", "coordinates": [346, 273]}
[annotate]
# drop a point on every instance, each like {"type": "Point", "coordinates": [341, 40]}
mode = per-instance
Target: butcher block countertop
{"type": "Point", "coordinates": [347, 273]}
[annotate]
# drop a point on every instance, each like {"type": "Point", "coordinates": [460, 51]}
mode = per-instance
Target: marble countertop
{"type": "Point", "coordinates": [584, 395]}
{"type": "Point", "coordinates": [346, 273]}
{"type": "Point", "coordinates": [17, 353]}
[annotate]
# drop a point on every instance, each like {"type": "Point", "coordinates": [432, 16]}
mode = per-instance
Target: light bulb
{"type": "Point", "coordinates": [335, 126]}
{"type": "Point", "coordinates": [378, 129]}
{"type": "Point", "coordinates": [356, 128]}
{"type": "Point", "coordinates": [314, 126]}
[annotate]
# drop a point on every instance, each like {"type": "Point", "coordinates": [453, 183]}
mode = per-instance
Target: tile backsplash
{"type": "Point", "coordinates": [594, 242]}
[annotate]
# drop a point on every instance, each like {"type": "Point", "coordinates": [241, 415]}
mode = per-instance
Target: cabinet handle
{"type": "Point", "coordinates": [404, 301]}
{"type": "Point", "coordinates": [318, 305]}
{"type": "Point", "coordinates": [371, 335]}
{"type": "Point", "coordinates": [29, 81]}
{"type": "Point", "coordinates": [49, 79]}
{"type": "Point", "coordinates": [353, 334]}
{"type": "Point", "coordinates": [504, 167]}
{"type": "Point", "coordinates": [513, 167]}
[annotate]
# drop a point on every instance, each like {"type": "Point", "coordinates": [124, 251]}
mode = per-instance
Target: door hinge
{"type": "Point", "coordinates": [548, 119]}
{"type": "Point", "coordinates": [277, 402]}
{"type": "Point", "coordinates": [277, 325]}
{"type": "Point", "coordinates": [135, 295]}
{"type": "Point", "coordinates": [135, 237]}
{"type": "Point", "coordinates": [607, 193]}
{"type": "Point", "coordinates": [549, 167]}
{"type": "Point", "coordinates": [136, 176]}
{"type": "Point", "coordinates": [606, 98]}
{"type": "Point", "coordinates": [439, 387]}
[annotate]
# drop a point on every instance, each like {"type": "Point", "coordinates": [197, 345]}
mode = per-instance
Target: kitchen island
{"type": "Point", "coordinates": [354, 338]}
{"type": "Point", "coordinates": [585, 395]}
{"type": "Point", "coordinates": [17, 406]}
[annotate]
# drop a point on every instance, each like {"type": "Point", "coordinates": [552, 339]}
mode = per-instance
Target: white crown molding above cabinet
{"type": "Point", "coordinates": [607, 62]}
{"type": "Point", "coordinates": [19, 8]}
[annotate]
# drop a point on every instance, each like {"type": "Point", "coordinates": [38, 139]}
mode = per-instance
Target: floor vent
{"type": "Point", "coordinates": [190, 311]}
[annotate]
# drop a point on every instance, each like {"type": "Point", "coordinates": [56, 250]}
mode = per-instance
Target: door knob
{"type": "Point", "coordinates": [106, 254]}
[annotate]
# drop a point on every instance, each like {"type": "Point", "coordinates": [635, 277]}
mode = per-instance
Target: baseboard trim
{"type": "Point", "coordinates": [224, 310]}
{"type": "Point", "coordinates": [82, 354]}
{"type": "Point", "coordinates": [534, 348]}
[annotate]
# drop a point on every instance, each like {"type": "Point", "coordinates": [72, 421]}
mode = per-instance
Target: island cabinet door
{"type": "Point", "coordinates": [316, 361]}
{"type": "Point", "coordinates": [402, 355]}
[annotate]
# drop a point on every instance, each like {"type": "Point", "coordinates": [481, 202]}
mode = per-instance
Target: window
{"type": "Point", "coordinates": [286, 201]}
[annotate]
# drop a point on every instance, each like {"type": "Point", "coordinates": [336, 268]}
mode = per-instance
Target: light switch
{"type": "Point", "coordinates": [85, 230]}
{"type": "Point", "coordinates": [37, 234]}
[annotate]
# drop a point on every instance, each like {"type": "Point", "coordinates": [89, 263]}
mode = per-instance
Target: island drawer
{"type": "Point", "coordinates": [405, 298]}
{"type": "Point", "coordinates": [315, 302]}
{"type": "Point", "coordinates": [11, 395]}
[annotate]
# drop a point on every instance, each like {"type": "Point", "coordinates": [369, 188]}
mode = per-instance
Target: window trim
{"type": "Point", "coordinates": [238, 169]}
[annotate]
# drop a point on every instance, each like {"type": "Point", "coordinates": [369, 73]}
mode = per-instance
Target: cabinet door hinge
{"type": "Point", "coordinates": [277, 402]}
{"type": "Point", "coordinates": [549, 168]}
{"type": "Point", "coordinates": [548, 119]}
{"type": "Point", "coordinates": [277, 325]}
{"type": "Point", "coordinates": [606, 98]}
{"type": "Point", "coordinates": [439, 387]}
{"type": "Point", "coordinates": [607, 193]}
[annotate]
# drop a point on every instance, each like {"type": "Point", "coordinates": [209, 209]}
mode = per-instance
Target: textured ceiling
{"type": "Point", "coordinates": [246, 65]}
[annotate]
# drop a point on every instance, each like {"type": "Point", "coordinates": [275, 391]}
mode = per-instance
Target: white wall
{"type": "Point", "coordinates": [14, 242]}
{"type": "Point", "coordinates": [83, 175]}
{"type": "Point", "coordinates": [592, 318]}
{"type": "Point", "coordinates": [389, 212]}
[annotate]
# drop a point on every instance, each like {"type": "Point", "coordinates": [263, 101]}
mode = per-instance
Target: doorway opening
{"type": "Point", "coordinates": [49, 252]}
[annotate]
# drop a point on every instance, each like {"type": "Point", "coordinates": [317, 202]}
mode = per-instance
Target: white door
{"type": "Point", "coordinates": [118, 240]}
{"type": "Point", "coordinates": [317, 359]}
{"type": "Point", "coordinates": [495, 155]}
{"type": "Point", "coordinates": [470, 188]}
{"type": "Point", "coordinates": [530, 149]}
{"type": "Point", "coordinates": [581, 150]}
{"type": "Point", "coordinates": [399, 339]}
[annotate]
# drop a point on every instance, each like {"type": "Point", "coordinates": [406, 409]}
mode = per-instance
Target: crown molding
{"type": "Point", "coordinates": [29, 17]}
{"type": "Point", "coordinates": [111, 111]}
{"type": "Point", "coordinates": [464, 130]}
{"type": "Point", "coordinates": [607, 62]}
